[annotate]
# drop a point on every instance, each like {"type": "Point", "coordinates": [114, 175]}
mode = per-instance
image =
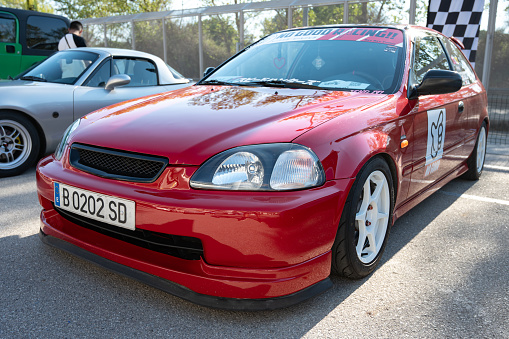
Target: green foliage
{"type": "Point", "coordinates": [277, 23]}
{"type": "Point", "coordinates": [80, 9]}
{"type": "Point", "coordinates": [36, 5]}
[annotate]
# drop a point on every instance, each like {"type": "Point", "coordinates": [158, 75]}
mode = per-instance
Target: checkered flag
{"type": "Point", "coordinates": [458, 18]}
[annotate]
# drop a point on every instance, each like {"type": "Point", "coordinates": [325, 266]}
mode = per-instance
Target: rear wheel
{"type": "Point", "coordinates": [365, 222]}
{"type": "Point", "coordinates": [19, 144]}
{"type": "Point", "coordinates": [475, 162]}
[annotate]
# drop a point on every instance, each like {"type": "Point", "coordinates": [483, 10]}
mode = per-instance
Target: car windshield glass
{"type": "Point", "coordinates": [367, 60]}
{"type": "Point", "coordinates": [63, 67]}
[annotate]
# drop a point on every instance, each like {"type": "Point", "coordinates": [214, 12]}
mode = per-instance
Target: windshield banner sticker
{"type": "Point", "coordinates": [378, 35]}
{"type": "Point", "coordinates": [436, 136]}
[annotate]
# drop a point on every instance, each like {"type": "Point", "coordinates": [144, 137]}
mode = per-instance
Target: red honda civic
{"type": "Point", "coordinates": [286, 164]}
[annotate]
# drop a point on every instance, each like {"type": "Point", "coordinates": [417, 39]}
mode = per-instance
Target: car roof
{"type": "Point", "coordinates": [165, 75]}
{"type": "Point", "coordinates": [118, 52]}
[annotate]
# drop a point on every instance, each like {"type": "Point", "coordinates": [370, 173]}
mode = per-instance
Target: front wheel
{"type": "Point", "coordinates": [365, 222]}
{"type": "Point", "coordinates": [19, 144]}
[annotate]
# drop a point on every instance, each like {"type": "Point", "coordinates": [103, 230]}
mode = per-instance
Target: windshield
{"type": "Point", "coordinates": [63, 67]}
{"type": "Point", "coordinates": [362, 59]}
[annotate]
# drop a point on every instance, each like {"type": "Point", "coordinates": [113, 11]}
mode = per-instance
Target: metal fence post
{"type": "Point", "coordinates": [105, 36]}
{"type": "Point", "coordinates": [345, 12]}
{"type": "Point", "coordinates": [241, 30]}
{"type": "Point", "coordinates": [305, 16]}
{"type": "Point", "coordinates": [133, 36]}
{"type": "Point", "coordinates": [165, 50]}
{"type": "Point", "coordinates": [290, 17]}
{"type": "Point", "coordinates": [200, 45]}
{"type": "Point", "coordinates": [490, 34]}
{"type": "Point", "coordinates": [411, 12]}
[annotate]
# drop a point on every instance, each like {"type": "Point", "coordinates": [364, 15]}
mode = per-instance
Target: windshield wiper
{"type": "Point", "coordinates": [215, 82]}
{"type": "Point", "coordinates": [32, 78]}
{"type": "Point", "coordinates": [280, 83]}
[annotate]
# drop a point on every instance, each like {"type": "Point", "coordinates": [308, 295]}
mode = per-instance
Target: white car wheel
{"type": "Point", "coordinates": [365, 221]}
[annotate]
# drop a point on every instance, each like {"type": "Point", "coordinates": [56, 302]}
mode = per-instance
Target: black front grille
{"type": "Point", "coordinates": [116, 164]}
{"type": "Point", "coordinates": [188, 248]}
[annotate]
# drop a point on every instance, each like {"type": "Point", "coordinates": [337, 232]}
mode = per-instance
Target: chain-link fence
{"type": "Point", "coordinates": [498, 109]}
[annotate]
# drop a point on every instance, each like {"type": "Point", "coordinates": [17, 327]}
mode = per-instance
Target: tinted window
{"type": "Point", "coordinates": [429, 54]}
{"type": "Point", "coordinates": [44, 33]}
{"type": "Point", "coordinates": [141, 71]}
{"type": "Point", "coordinates": [353, 59]}
{"type": "Point", "coordinates": [7, 30]}
{"type": "Point", "coordinates": [101, 76]}
{"type": "Point", "coordinates": [459, 63]}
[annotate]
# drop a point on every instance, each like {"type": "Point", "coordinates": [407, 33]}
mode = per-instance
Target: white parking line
{"type": "Point", "coordinates": [473, 197]}
{"type": "Point", "coordinates": [500, 168]}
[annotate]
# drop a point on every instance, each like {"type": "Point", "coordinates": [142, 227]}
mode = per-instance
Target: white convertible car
{"type": "Point", "coordinates": [37, 106]}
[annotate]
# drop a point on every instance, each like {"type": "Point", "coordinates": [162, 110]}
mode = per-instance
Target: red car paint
{"type": "Point", "coordinates": [259, 245]}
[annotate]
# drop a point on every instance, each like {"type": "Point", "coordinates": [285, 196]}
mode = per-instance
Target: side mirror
{"type": "Point", "coordinates": [208, 71]}
{"type": "Point", "coordinates": [117, 81]}
{"type": "Point", "coordinates": [437, 81]}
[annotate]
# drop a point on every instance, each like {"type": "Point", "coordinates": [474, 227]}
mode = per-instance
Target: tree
{"type": "Point", "coordinates": [81, 9]}
{"type": "Point", "coordinates": [36, 5]}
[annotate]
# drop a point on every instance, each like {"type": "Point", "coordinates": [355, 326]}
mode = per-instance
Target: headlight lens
{"type": "Point", "coordinates": [59, 152]}
{"type": "Point", "coordinates": [266, 167]}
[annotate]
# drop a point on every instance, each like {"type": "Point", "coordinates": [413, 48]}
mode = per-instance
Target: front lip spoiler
{"type": "Point", "coordinates": [185, 293]}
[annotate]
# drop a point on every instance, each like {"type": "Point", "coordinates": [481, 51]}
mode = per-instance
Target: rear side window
{"type": "Point", "coordinates": [459, 62]}
{"type": "Point", "coordinates": [142, 71]}
{"type": "Point", "coordinates": [428, 54]}
{"type": "Point", "coordinates": [7, 29]}
{"type": "Point", "coordinates": [44, 33]}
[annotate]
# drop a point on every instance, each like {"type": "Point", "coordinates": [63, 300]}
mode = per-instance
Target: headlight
{"type": "Point", "coordinates": [266, 167]}
{"type": "Point", "coordinates": [61, 146]}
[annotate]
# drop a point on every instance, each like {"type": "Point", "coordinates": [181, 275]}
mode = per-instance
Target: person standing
{"type": "Point", "coordinates": [73, 39]}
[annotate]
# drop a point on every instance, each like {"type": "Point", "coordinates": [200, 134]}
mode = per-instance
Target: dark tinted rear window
{"type": "Point", "coordinates": [7, 29]}
{"type": "Point", "coordinates": [44, 33]}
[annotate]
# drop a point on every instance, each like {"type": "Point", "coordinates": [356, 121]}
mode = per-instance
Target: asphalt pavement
{"type": "Point", "coordinates": [445, 273]}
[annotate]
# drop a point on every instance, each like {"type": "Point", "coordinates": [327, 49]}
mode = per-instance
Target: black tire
{"type": "Point", "coordinates": [475, 162]}
{"type": "Point", "coordinates": [19, 144]}
{"type": "Point", "coordinates": [347, 261]}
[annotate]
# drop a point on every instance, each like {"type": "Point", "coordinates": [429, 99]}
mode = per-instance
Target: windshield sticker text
{"type": "Point", "coordinates": [387, 36]}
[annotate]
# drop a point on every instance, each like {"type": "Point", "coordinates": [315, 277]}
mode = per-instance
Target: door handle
{"type": "Point", "coordinates": [461, 107]}
{"type": "Point", "coordinates": [10, 49]}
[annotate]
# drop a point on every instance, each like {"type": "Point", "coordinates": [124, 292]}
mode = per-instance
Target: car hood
{"type": "Point", "coordinates": [190, 125]}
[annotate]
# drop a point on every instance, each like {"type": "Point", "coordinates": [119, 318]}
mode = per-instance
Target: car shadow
{"type": "Point", "coordinates": [74, 296]}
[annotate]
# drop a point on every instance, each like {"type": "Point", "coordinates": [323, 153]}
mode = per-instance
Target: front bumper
{"type": "Point", "coordinates": [186, 293]}
{"type": "Point", "coordinates": [261, 251]}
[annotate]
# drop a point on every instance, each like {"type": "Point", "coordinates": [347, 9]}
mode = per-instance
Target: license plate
{"type": "Point", "coordinates": [101, 207]}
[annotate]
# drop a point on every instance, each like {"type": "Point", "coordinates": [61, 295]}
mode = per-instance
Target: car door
{"type": "Point", "coordinates": [439, 122]}
{"type": "Point", "coordinates": [471, 94]}
{"type": "Point", "coordinates": [10, 48]}
{"type": "Point", "coordinates": [92, 95]}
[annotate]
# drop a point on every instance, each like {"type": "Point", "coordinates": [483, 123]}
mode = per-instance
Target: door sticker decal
{"type": "Point", "coordinates": [436, 137]}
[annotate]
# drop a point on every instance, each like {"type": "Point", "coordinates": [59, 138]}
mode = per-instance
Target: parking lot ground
{"type": "Point", "coordinates": [444, 274]}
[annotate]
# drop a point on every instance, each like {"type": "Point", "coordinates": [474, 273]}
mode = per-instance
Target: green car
{"type": "Point", "coordinates": [27, 37]}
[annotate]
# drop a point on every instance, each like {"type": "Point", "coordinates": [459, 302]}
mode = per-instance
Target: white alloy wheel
{"type": "Point", "coordinates": [15, 144]}
{"type": "Point", "coordinates": [372, 217]}
{"type": "Point", "coordinates": [481, 149]}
